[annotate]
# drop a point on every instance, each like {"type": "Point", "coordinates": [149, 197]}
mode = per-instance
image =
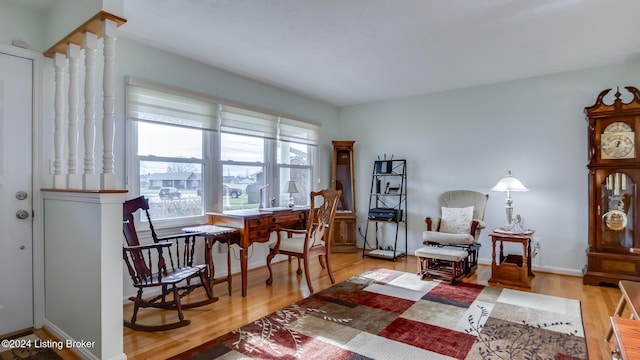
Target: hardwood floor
{"type": "Point", "coordinates": [233, 311]}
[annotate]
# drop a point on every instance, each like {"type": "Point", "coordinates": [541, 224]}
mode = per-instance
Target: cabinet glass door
{"type": "Point", "coordinates": [344, 179]}
{"type": "Point", "coordinates": [618, 205]}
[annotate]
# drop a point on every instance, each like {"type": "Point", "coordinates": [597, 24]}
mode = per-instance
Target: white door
{"type": "Point", "coordinates": [16, 242]}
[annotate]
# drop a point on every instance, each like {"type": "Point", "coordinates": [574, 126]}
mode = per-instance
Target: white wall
{"type": "Point", "coordinates": [469, 138]}
{"type": "Point", "coordinates": [13, 19]}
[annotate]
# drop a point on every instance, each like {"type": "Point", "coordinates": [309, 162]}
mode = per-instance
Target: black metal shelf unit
{"type": "Point", "coordinates": [387, 206]}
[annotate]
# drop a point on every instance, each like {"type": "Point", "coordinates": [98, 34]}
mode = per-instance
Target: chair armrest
{"type": "Point", "coordinates": [481, 224]}
{"type": "Point", "coordinates": [288, 230]}
{"type": "Point", "coordinates": [158, 245]}
{"type": "Point", "coordinates": [433, 224]}
{"type": "Point", "coordinates": [179, 236]}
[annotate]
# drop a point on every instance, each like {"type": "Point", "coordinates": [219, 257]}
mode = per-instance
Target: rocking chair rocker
{"type": "Point", "coordinates": [166, 264]}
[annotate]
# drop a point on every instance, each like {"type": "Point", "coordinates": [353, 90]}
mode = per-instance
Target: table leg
{"type": "Point", "coordinates": [618, 312]}
{"type": "Point", "coordinates": [529, 267]}
{"type": "Point", "coordinates": [243, 270]}
{"type": "Point", "coordinates": [524, 271]}
{"type": "Point", "coordinates": [208, 258]}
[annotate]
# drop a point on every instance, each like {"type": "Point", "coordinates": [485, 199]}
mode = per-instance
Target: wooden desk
{"type": "Point", "coordinates": [630, 295]}
{"type": "Point", "coordinates": [255, 226]}
{"type": "Point", "coordinates": [512, 270]}
{"type": "Point", "coordinates": [627, 337]}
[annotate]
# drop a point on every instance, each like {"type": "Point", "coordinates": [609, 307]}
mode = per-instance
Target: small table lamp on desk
{"type": "Point", "coordinates": [514, 270]}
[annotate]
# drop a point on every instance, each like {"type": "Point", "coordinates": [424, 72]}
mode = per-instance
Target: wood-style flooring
{"type": "Point", "coordinates": [230, 312]}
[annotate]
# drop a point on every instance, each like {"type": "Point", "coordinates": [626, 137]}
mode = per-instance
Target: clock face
{"type": "Point", "coordinates": [617, 146]}
{"type": "Point", "coordinates": [618, 142]}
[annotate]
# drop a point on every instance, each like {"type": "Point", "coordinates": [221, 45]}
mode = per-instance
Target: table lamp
{"type": "Point", "coordinates": [509, 184]}
{"type": "Point", "coordinates": [291, 189]}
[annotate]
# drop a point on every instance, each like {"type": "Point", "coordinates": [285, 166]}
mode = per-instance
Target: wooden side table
{"type": "Point", "coordinates": [630, 295]}
{"type": "Point", "coordinates": [512, 270]}
{"type": "Point", "coordinates": [627, 333]}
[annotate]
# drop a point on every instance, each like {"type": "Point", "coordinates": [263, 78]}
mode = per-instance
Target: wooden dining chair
{"type": "Point", "coordinates": [314, 241]}
{"type": "Point", "coordinates": [166, 264]}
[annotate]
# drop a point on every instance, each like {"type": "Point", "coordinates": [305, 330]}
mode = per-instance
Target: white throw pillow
{"type": "Point", "coordinates": [456, 220]}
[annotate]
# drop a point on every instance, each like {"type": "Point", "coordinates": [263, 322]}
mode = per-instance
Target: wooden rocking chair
{"type": "Point", "coordinates": [166, 264]}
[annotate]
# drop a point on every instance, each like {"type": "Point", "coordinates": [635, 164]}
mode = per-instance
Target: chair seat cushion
{"type": "Point", "coordinates": [446, 238]}
{"type": "Point", "coordinates": [442, 253]}
{"type": "Point", "coordinates": [293, 244]}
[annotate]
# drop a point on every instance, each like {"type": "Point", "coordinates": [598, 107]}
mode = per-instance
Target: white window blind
{"type": "Point", "coordinates": [298, 131]}
{"type": "Point", "coordinates": [241, 121]}
{"type": "Point", "coordinates": [152, 102]}
{"type": "Point", "coordinates": [159, 106]}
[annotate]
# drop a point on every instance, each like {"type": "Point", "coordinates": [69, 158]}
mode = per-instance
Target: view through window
{"type": "Point", "coordinates": [171, 163]}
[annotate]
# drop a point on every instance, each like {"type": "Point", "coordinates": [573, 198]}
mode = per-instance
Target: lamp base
{"type": "Point", "coordinates": [507, 227]}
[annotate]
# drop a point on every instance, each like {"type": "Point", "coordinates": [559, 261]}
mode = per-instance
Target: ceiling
{"type": "Point", "coordinates": [347, 52]}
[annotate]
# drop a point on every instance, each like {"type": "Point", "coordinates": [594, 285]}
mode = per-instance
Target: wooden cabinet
{"type": "Point", "coordinates": [342, 178]}
{"type": "Point", "coordinates": [614, 175]}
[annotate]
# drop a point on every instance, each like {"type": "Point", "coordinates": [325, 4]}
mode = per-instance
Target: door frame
{"type": "Point", "coordinates": [36, 175]}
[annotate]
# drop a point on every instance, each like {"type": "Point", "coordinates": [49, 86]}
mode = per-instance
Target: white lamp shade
{"type": "Point", "coordinates": [509, 183]}
{"type": "Point", "coordinates": [292, 188]}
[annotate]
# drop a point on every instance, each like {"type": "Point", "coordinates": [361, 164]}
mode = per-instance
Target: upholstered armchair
{"type": "Point", "coordinates": [459, 225]}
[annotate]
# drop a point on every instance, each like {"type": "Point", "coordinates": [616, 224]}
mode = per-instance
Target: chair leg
{"type": "Point", "coordinates": [306, 274]}
{"type": "Point", "coordinates": [333, 281]}
{"type": "Point", "coordinates": [321, 260]}
{"type": "Point", "coordinates": [205, 284]}
{"type": "Point", "coordinates": [176, 300]}
{"type": "Point", "coordinates": [161, 327]}
{"type": "Point", "coordinates": [299, 271]}
{"type": "Point", "coordinates": [269, 258]}
{"type": "Point", "coordinates": [136, 306]}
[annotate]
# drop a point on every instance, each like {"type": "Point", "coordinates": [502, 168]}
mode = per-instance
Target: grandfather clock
{"type": "Point", "coordinates": [342, 178]}
{"type": "Point", "coordinates": [614, 175]}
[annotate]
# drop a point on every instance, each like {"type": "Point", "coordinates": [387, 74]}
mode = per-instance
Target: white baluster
{"type": "Point", "coordinates": [74, 180]}
{"type": "Point", "coordinates": [59, 179]}
{"type": "Point", "coordinates": [91, 181]}
{"type": "Point", "coordinates": [108, 125]}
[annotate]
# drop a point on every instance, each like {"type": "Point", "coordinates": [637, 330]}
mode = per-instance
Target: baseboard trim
{"type": "Point", "coordinates": [82, 352]}
{"type": "Point", "coordinates": [543, 268]}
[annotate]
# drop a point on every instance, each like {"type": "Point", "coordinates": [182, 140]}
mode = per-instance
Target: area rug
{"type": "Point", "coordinates": [386, 314]}
{"type": "Point", "coordinates": [28, 347]}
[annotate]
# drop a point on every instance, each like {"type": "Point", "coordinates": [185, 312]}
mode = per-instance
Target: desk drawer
{"type": "Point", "coordinates": [262, 221]}
{"type": "Point", "coordinates": [260, 234]}
{"type": "Point", "coordinates": [294, 220]}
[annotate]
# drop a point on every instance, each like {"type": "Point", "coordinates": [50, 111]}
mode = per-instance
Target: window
{"type": "Point", "coordinates": [243, 169]}
{"type": "Point", "coordinates": [190, 154]}
{"type": "Point", "coordinates": [295, 164]}
{"type": "Point", "coordinates": [262, 150]}
{"type": "Point", "coordinates": [170, 136]}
